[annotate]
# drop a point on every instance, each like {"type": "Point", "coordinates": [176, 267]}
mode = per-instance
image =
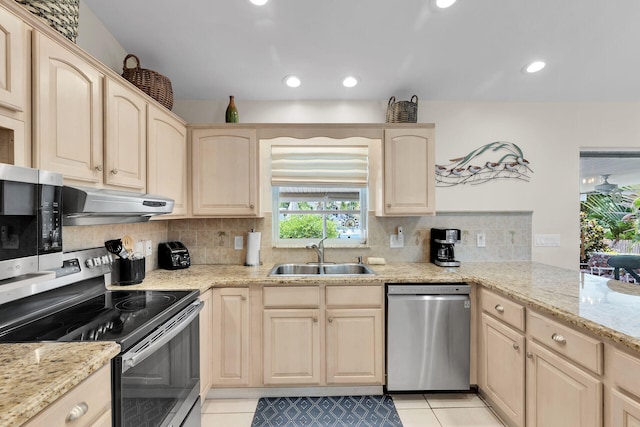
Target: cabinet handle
{"type": "Point", "coordinates": [516, 346]}
{"type": "Point", "coordinates": [114, 171]}
{"type": "Point", "coordinates": [499, 308]}
{"type": "Point", "coordinates": [388, 205]}
{"type": "Point", "coordinates": [558, 338]}
{"type": "Point", "coordinates": [529, 355]}
{"type": "Point", "coordinates": [315, 320]}
{"type": "Point", "coordinates": [251, 206]}
{"type": "Point", "coordinates": [330, 319]}
{"type": "Point", "coordinates": [98, 168]}
{"type": "Point", "coordinates": [243, 298]}
{"type": "Point", "coordinates": [77, 411]}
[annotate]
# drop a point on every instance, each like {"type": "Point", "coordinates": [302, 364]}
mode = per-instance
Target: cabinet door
{"type": "Point", "coordinates": [409, 180]}
{"type": "Point", "coordinates": [225, 172]}
{"type": "Point", "coordinates": [67, 114]}
{"type": "Point", "coordinates": [625, 412]}
{"type": "Point", "coordinates": [560, 394]}
{"type": "Point", "coordinates": [502, 360]}
{"type": "Point", "coordinates": [205, 326]}
{"type": "Point", "coordinates": [13, 63]}
{"type": "Point", "coordinates": [230, 337]}
{"type": "Point", "coordinates": [291, 346]}
{"type": "Point", "coordinates": [167, 159]}
{"type": "Point", "coordinates": [354, 352]}
{"type": "Point", "coordinates": [126, 137]}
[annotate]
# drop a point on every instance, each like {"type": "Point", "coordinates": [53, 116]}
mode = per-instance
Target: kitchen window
{"type": "Point", "coordinates": [319, 192]}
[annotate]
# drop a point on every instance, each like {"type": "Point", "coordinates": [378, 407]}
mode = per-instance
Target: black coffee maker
{"type": "Point", "coordinates": [443, 241]}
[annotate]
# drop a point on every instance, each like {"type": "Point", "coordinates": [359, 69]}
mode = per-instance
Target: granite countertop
{"type": "Point", "coordinates": [605, 307]}
{"type": "Point", "coordinates": [34, 375]}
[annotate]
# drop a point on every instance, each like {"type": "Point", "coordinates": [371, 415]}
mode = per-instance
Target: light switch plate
{"type": "Point", "coordinates": [148, 248]}
{"type": "Point", "coordinates": [481, 240]}
{"type": "Point", "coordinates": [238, 243]}
{"type": "Point", "coordinates": [394, 242]}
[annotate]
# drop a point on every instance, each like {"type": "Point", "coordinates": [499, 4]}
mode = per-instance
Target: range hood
{"type": "Point", "coordinates": [94, 206]}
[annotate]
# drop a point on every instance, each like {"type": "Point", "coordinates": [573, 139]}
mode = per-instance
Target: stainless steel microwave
{"type": "Point", "coordinates": [30, 220]}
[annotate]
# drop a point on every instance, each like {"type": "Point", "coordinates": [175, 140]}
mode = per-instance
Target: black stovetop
{"type": "Point", "coordinates": [121, 316]}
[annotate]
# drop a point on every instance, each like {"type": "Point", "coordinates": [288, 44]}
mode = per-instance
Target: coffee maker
{"type": "Point", "coordinates": [443, 241]}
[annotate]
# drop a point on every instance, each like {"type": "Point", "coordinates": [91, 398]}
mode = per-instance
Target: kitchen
{"type": "Point", "coordinates": [550, 133]}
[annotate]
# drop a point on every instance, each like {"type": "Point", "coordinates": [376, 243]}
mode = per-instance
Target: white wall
{"type": "Point", "coordinates": [550, 135]}
{"type": "Point", "coordinates": [94, 37]}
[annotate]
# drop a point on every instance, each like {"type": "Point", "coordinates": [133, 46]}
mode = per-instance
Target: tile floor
{"type": "Point", "coordinates": [415, 410]}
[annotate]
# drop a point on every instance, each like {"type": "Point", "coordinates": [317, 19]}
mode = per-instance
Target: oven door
{"type": "Point", "coordinates": [157, 381]}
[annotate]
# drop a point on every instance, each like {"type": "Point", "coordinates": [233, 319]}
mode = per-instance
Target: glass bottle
{"type": "Point", "coordinates": [231, 115]}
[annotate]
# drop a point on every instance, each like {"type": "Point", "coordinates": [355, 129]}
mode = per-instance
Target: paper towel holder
{"type": "Point", "coordinates": [249, 241]}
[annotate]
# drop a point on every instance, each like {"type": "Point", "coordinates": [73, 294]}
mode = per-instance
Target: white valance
{"type": "Point", "coordinates": [319, 165]}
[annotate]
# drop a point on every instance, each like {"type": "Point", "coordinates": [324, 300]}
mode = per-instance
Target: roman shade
{"type": "Point", "coordinates": [323, 166]}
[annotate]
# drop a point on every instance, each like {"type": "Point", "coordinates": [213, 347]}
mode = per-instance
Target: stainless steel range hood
{"type": "Point", "coordinates": [93, 206]}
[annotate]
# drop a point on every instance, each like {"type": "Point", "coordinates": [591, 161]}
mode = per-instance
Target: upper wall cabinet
{"type": "Point", "coordinates": [225, 172]}
{"type": "Point", "coordinates": [68, 113]}
{"type": "Point", "coordinates": [167, 159]}
{"type": "Point", "coordinates": [126, 137]}
{"type": "Point", "coordinates": [409, 180]}
{"type": "Point", "coordinates": [12, 62]}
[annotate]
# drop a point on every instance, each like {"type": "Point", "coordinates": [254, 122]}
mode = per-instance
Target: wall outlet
{"type": "Point", "coordinates": [481, 240]}
{"type": "Point", "coordinates": [547, 240]}
{"type": "Point", "coordinates": [238, 243]}
{"type": "Point", "coordinates": [148, 248]}
{"type": "Point", "coordinates": [394, 242]}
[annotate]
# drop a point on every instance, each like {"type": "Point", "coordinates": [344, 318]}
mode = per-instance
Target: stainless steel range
{"type": "Point", "coordinates": [155, 379]}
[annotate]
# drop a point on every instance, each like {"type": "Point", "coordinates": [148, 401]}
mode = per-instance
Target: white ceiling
{"type": "Point", "coordinates": [474, 50]}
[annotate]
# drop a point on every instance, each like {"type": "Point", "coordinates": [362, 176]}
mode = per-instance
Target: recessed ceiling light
{"type": "Point", "coordinates": [292, 81]}
{"type": "Point", "coordinates": [535, 66]}
{"type": "Point", "coordinates": [350, 81]}
{"type": "Point", "coordinates": [443, 4]}
{"type": "Point", "coordinates": [259, 2]}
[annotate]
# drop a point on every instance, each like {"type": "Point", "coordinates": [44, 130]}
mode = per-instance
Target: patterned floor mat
{"type": "Point", "coordinates": [341, 411]}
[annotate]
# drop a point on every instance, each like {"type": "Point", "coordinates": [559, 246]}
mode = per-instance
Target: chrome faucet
{"type": "Point", "coordinates": [319, 248]}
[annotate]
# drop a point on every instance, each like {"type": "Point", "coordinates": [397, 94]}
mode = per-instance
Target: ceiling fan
{"type": "Point", "coordinates": [606, 187]}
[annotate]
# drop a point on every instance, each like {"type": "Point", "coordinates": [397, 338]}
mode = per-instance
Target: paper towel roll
{"type": "Point", "coordinates": [253, 248]}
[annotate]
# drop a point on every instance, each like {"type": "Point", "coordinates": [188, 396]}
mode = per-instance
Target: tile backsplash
{"type": "Point", "coordinates": [508, 238]}
{"type": "Point", "coordinates": [211, 241]}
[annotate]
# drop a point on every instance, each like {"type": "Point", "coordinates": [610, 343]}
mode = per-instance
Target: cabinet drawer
{"type": "Point", "coordinates": [504, 309]}
{"type": "Point", "coordinates": [576, 346]}
{"type": "Point", "coordinates": [625, 371]}
{"type": "Point", "coordinates": [94, 394]}
{"type": "Point", "coordinates": [291, 296]}
{"type": "Point", "coordinates": [354, 296]}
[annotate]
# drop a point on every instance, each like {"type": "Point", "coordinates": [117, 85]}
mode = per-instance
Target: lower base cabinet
{"type": "Point", "coordinates": [625, 411]}
{"type": "Point", "coordinates": [559, 394]}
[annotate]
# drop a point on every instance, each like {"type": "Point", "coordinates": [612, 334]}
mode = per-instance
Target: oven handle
{"type": "Point", "coordinates": [161, 336]}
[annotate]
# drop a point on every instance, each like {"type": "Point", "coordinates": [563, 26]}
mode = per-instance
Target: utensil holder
{"type": "Point", "coordinates": [131, 271]}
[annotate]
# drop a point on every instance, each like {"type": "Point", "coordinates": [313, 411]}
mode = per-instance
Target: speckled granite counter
{"type": "Point", "coordinates": [605, 307]}
{"type": "Point", "coordinates": [35, 375]}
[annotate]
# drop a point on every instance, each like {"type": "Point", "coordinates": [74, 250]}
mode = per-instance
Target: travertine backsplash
{"type": "Point", "coordinates": [210, 241]}
{"type": "Point", "coordinates": [508, 237]}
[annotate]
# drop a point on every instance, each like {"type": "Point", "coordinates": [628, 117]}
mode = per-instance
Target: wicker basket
{"type": "Point", "coordinates": [150, 82]}
{"type": "Point", "coordinates": [60, 14]}
{"type": "Point", "coordinates": [402, 111]}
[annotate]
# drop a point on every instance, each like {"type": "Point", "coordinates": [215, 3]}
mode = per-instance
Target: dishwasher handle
{"type": "Point", "coordinates": [429, 289]}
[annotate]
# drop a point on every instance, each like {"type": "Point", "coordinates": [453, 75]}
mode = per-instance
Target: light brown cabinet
{"type": "Point", "coordinates": [502, 368]}
{"type": "Point", "coordinates": [559, 393]}
{"type": "Point", "coordinates": [13, 63]}
{"type": "Point", "coordinates": [68, 120]}
{"type": "Point", "coordinates": [167, 159]}
{"type": "Point", "coordinates": [230, 337]}
{"type": "Point", "coordinates": [225, 172]}
{"type": "Point", "coordinates": [125, 137]}
{"type": "Point", "coordinates": [409, 172]}
{"type": "Point", "coordinates": [206, 349]}
{"type": "Point", "coordinates": [87, 404]}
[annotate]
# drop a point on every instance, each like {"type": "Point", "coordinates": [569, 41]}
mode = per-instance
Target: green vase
{"type": "Point", "coordinates": [232, 112]}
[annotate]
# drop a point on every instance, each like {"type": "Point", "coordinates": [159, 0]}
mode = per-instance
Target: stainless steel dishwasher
{"type": "Point", "coordinates": [428, 337]}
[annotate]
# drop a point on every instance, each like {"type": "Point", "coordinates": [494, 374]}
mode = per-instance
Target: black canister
{"type": "Point", "coordinates": [131, 271]}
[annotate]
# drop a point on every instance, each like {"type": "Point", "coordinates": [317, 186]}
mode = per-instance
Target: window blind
{"type": "Point", "coordinates": [319, 166]}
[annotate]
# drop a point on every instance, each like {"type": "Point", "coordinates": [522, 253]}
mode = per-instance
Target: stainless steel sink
{"type": "Point", "coordinates": [317, 269]}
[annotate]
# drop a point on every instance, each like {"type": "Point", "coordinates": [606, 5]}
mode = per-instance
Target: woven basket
{"type": "Point", "coordinates": [60, 14]}
{"type": "Point", "coordinates": [402, 111]}
{"type": "Point", "coordinates": [150, 82]}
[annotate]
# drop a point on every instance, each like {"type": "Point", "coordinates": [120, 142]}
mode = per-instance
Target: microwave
{"type": "Point", "coordinates": [30, 220]}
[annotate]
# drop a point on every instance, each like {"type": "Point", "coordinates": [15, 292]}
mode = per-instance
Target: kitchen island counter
{"type": "Point", "coordinates": [34, 375]}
